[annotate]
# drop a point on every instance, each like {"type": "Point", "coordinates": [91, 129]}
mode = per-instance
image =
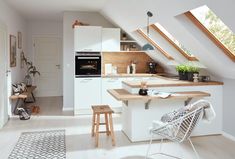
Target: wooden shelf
{"type": "Point", "coordinates": [128, 41]}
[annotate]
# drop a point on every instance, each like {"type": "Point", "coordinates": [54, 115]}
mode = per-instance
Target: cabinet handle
{"type": "Point", "coordinates": [87, 49]}
{"type": "Point", "coordinates": [113, 80]}
{"type": "Point", "coordinates": [86, 80]}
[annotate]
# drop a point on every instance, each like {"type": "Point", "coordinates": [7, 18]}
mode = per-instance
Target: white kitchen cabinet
{"type": "Point", "coordinates": [111, 83]}
{"type": "Point", "coordinates": [87, 38]}
{"type": "Point", "coordinates": [87, 92]}
{"type": "Point", "coordinates": [111, 39]}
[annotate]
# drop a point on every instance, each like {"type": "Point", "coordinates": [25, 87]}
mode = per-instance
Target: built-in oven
{"type": "Point", "coordinates": [87, 64]}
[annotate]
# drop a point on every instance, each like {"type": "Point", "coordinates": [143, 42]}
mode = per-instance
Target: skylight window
{"type": "Point", "coordinates": [181, 48]}
{"type": "Point", "coordinates": [221, 35]}
{"type": "Point", "coordinates": [151, 41]}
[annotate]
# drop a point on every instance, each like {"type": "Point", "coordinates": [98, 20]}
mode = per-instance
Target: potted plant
{"type": "Point", "coordinates": [31, 71]}
{"type": "Point", "coordinates": [183, 71]}
{"type": "Point", "coordinates": [192, 70]}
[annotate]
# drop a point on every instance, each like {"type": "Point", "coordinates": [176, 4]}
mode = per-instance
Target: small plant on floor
{"type": "Point", "coordinates": [31, 70]}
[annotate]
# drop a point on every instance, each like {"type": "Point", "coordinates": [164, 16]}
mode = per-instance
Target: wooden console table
{"type": "Point", "coordinates": [22, 98]}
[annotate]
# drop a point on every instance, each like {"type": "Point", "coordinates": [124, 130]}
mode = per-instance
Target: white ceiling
{"type": "Point", "coordinates": [53, 9]}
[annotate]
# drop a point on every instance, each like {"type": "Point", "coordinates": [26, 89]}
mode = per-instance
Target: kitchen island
{"type": "Point", "coordinates": [139, 111]}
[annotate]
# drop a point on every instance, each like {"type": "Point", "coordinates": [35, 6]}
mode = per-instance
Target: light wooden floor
{"type": "Point", "coordinates": [80, 145]}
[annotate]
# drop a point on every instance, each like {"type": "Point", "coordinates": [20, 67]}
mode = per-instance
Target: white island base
{"type": "Point", "coordinates": [137, 118]}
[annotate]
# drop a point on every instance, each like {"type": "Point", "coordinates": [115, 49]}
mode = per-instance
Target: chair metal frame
{"type": "Point", "coordinates": [178, 131]}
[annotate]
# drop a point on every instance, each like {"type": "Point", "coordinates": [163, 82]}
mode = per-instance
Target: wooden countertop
{"type": "Point", "coordinates": [124, 95]}
{"type": "Point", "coordinates": [169, 82]}
{"type": "Point", "coordinates": [129, 75]}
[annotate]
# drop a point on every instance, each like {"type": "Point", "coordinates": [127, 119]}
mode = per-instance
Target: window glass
{"type": "Point", "coordinates": [173, 39]}
{"type": "Point", "coordinates": [215, 25]}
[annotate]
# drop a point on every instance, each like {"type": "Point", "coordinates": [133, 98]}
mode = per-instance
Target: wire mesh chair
{"type": "Point", "coordinates": [178, 131]}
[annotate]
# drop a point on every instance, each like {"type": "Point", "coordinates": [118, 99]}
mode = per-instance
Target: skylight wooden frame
{"type": "Point", "coordinates": [157, 29]}
{"type": "Point", "coordinates": [210, 35]}
{"type": "Point", "coordinates": [169, 57]}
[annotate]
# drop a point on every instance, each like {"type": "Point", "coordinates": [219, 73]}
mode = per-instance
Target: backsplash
{"type": "Point", "coordinates": [123, 59]}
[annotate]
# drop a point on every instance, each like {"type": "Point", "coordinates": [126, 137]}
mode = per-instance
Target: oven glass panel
{"type": "Point", "coordinates": [88, 66]}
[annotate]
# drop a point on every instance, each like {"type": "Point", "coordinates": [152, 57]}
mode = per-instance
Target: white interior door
{"type": "Point", "coordinates": [47, 58]}
{"type": "Point", "coordinates": [3, 76]}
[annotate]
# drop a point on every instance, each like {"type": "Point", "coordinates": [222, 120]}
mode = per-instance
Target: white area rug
{"type": "Point", "coordinates": [40, 145]}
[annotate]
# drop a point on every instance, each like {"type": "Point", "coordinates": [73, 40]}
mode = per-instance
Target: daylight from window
{"type": "Point", "coordinates": [173, 39]}
{"type": "Point", "coordinates": [213, 23]}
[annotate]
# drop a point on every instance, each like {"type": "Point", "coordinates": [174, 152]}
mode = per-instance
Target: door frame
{"type": "Point", "coordinates": [61, 53]}
{"type": "Point", "coordinates": [5, 114]}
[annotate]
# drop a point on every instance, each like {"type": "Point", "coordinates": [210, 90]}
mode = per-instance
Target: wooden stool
{"type": "Point", "coordinates": [107, 111]}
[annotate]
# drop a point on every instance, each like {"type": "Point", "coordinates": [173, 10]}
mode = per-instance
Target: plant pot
{"type": "Point", "coordinates": [190, 75]}
{"type": "Point", "coordinates": [28, 80]}
{"type": "Point", "coordinates": [143, 92]}
{"type": "Point", "coordinates": [183, 75]}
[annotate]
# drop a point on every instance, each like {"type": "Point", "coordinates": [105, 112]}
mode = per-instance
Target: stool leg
{"type": "Point", "coordinates": [97, 130]}
{"type": "Point", "coordinates": [111, 129]}
{"type": "Point", "coordinates": [107, 124]}
{"type": "Point", "coordinates": [93, 125]}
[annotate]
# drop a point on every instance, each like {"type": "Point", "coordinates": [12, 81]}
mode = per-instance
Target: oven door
{"type": "Point", "coordinates": [87, 66]}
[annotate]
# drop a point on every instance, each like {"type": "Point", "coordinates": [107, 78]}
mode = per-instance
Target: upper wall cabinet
{"type": "Point", "coordinates": [87, 38]}
{"type": "Point", "coordinates": [111, 39]}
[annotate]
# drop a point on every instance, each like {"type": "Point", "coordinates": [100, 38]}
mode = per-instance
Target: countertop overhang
{"type": "Point", "coordinates": [124, 95]}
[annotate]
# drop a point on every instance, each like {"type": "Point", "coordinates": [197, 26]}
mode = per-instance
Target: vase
{"type": "Point", "coordinates": [190, 75]}
{"type": "Point", "coordinates": [28, 80]}
{"type": "Point", "coordinates": [143, 92]}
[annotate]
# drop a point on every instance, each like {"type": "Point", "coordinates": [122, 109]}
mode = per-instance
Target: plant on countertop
{"type": "Point", "coordinates": [31, 70]}
{"type": "Point", "coordinates": [183, 71]}
{"type": "Point", "coordinates": [186, 71]}
{"type": "Point", "coordinates": [182, 68]}
{"type": "Point", "coordinates": [192, 70]}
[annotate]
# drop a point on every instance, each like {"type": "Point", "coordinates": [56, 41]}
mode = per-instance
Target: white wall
{"type": "Point", "coordinates": [229, 106]}
{"type": "Point", "coordinates": [92, 18]}
{"type": "Point", "coordinates": [14, 23]}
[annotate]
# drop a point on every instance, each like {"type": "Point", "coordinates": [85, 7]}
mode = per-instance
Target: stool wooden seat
{"type": "Point", "coordinates": [97, 111]}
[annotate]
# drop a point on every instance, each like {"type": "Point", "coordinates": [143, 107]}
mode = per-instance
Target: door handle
{"type": "Point", "coordinates": [58, 66]}
{"type": "Point", "coordinates": [7, 72]}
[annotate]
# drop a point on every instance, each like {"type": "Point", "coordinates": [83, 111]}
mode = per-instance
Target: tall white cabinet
{"type": "Point", "coordinates": [87, 38]}
{"type": "Point", "coordinates": [93, 91]}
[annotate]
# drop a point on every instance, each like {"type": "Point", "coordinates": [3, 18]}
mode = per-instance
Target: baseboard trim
{"type": "Point", "coordinates": [68, 109]}
{"type": "Point", "coordinates": [229, 136]}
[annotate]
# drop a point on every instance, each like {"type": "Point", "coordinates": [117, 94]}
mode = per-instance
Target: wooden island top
{"type": "Point", "coordinates": [124, 95]}
{"type": "Point", "coordinates": [169, 82]}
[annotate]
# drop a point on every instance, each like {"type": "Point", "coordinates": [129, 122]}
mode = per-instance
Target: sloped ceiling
{"type": "Point", "coordinates": [131, 15]}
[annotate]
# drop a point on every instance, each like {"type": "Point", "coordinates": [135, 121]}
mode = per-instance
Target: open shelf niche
{"type": "Point", "coordinates": [127, 44]}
